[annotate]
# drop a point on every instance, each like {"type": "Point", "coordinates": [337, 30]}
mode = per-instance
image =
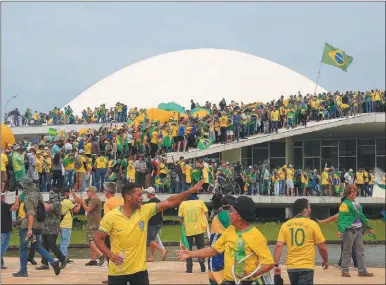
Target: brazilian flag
{"type": "Point", "coordinates": [184, 240]}
{"type": "Point", "coordinates": [336, 57]}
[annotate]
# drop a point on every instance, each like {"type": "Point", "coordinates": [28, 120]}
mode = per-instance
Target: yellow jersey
{"type": "Point", "coordinates": [111, 204]}
{"type": "Point", "coordinates": [325, 178]}
{"type": "Point", "coordinates": [300, 234]}
{"type": "Point", "coordinates": [4, 162]}
{"type": "Point", "coordinates": [101, 162]}
{"type": "Point", "coordinates": [119, 227]}
{"type": "Point", "coordinates": [67, 207]}
{"type": "Point", "coordinates": [275, 116]}
{"type": "Point", "coordinates": [82, 160]}
{"type": "Point", "coordinates": [154, 137]}
{"type": "Point", "coordinates": [360, 178]}
{"type": "Point", "coordinates": [248, 241]}
{"type": "Point", "coordinates": [130, 170]}
{"type": "Point", "coordinates": [188, 173]}
{"type": "Point", "coordinates": [223, 121]}
{"type": "Point", "coordinates": [281, 174]}
{"type": "Point", "coordinates": [193, 214]}
{"type": "Point", "coordinates": [290, 174]}
{"type": "Point", "coordinates": [162, 168]}
{"type": "Point", "coordinates": [87, 148]}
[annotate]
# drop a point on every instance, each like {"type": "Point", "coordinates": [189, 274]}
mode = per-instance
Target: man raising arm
{"type": "Point", "coordinates": [127, 227]}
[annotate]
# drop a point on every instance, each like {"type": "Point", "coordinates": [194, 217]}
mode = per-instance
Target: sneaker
{"type": "Point", "coordinates": [346, 274]}
{"type": "Point", "coordinates": [92, 263]}
{"type": "Point", "coordinates": [33, 262]}
{"type": "Point", "coordinates": [366, 274]}
{"type": "Point", "coordinates": [20, 274]}
{"type": "Point", "coordinates": [202, 265]}
{"type": "Point", "coordinates": [56, 267]}
{"type": "Point", "coordinates": [102, 260]}
{"type": "Point", "coordinates": [63, 264]}
{"type": "Point", "coordinates": [42, 267]}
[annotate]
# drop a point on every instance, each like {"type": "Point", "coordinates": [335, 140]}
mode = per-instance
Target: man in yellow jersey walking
{"type": "Point", "coordinates": [127, 228]}
{"type": "Point", "coordinates": [101, 168]}
{"type": "Point", "coordinates": [193, 214]}
{"type": "Point", "coordinates": [238, 241]}
{"type": "Point", "coordinates": [300, 234]}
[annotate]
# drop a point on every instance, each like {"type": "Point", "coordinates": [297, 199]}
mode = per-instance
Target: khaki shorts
{"type": "Point", "coordinates": [91, 234]}
{"type": "Point", "coordinates": [4, 176]}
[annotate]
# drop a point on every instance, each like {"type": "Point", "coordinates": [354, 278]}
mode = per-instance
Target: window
{"type": "Point", "coordinates": [330, 143]}
{"type": "Point", "coordinates": [329, 156]}
{"type": "Point", "coordinates": [245, 162]}
{"type": "Point", "coordinates": [381, 163]}
{"type": "Point", "coordinates": [381, 146]}
{"type": "Point", "coordinates": [311, 148]}
{"type": "Point", "coordinates": [298, 143]}
{"type": "Point", "coordinates": [298, 158]}
{"type": "Point", "coordinates": [259, 155]}
{"type": "Point", "coordinates": [347, 147]}
{"type": "Point", "coordinates": [312, 163]}
{"type": "Point", "coordinates": [347, 163]}
{"type": "Point", "coordinates": [275, 162]}
{"type": "Point", "coordinates": [366, 141]}
{"type": "Point", "coordinates": [366, 157]}
{"type": "Point", "coordinates": [277, 149]}
{"type": "Point", "coordinates": [246, 152]}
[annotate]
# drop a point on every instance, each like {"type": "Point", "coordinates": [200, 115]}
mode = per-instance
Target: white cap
{"type": "Point", "coordinates": [81, 151]}
{"type": "Point", "coordinates": [150, 190]}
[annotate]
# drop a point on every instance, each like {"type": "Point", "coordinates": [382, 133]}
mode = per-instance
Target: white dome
{"type": "Point", "coordinates": [198, 74]}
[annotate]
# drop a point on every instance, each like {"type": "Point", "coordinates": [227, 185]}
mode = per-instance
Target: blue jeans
{"type": "Point", "coordinates": [332, 112]}
{"type": "Point", "coordinates": [23, 248]}
{"type": "Point", "coordinates": [5, 237]}
{"type": "Point", "coordinates": [281, 187]}
{"type": "Point", "coordinates": [377, 106]}
{"type": "Point", "coordinates": [369, 106]}
{"type": "Point", "coordinates": [100, 177]}
{"type": "Point", "coordinates": [65, 238]}
{"type": "Point", "coordinates": [43, 187]}
{"type": "Point", "coordinates": [69, 178]}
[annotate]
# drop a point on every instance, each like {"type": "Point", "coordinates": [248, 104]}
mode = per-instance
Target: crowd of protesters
{"type": "Point", "coordinates": [291, 112]}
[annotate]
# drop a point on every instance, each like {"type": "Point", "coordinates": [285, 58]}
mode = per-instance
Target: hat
{"type": "Point", "coordinates": [245, 207]}
{"type": "Point", "coordinates": [290, 166]}
{"type": "Point", "coordinates": [150, 190]}
{"type": "Point", "coordinates": [91, 189]}
{"type": "Point", "coordinates": [81, 151]}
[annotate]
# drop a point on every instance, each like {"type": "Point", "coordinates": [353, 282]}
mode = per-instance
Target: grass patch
{"type": "Point", "coordinates": [171, 233]}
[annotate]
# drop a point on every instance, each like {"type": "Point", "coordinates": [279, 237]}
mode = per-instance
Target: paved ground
{"type": "Point", "coordinates": [168, 272]}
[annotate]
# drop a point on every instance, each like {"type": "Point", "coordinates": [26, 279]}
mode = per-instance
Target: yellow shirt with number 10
{"type": "Point", "coordinates": [193, 214]}
{"type": "Point", "coordinates": [101, 162]}
{"type": "Point", "coordinates": [300, 234]}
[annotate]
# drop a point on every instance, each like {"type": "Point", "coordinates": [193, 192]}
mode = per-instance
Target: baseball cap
{"type": "Point", "coordinates": [150, 190]}
{"type": "Point", "coordinates": [91, 189]}
{"type": "Point", "coordinates": [81, 151]}
{"type": "Point", "coordinates": [245, 207]}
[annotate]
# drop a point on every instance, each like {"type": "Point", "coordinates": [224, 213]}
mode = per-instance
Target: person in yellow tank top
{"type": "Point", "coordinates": [223, 122]}
{"type": "Point", "coordinates": [188, 173]}
{"type": "Point", "coordinates": [300, 234]}
{"type": "Point", "coordinates": [239, 240]}
{"type": "Point", "coordinates": [290, 180]}
{"type": "Point", "coordinates": [360, 181]}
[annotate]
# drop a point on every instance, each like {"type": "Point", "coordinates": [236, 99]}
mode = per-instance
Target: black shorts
{"type": "Point", "coordinates": [180, 138]}
{"type": "Point", "coordinates": [205, 186]}
{"type": "Point", "coordinates": [139, 278]}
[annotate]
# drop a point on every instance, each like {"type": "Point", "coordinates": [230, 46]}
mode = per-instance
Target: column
{"type": "Point", "coordinates": [289, 151]}
{"type": "Point", "coordinates": [289, 213]}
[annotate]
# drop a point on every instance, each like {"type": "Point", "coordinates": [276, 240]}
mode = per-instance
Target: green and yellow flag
{"type": "Point", "coordinates": [336, 57]}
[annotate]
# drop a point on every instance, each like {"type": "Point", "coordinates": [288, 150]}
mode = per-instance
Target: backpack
{"type": "Point", "coordinates": [63, 215]}
{"type": "Point", "coordinates": [41, 212]}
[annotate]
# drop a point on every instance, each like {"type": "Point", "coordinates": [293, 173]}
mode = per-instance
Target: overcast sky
{"type": "Point", "coordinates": [52, 52]}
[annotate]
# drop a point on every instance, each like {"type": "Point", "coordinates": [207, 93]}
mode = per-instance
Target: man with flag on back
{"type": "Point", "coordinates": [245, 249]}
{"type": "Point", "coordinates": [352, 223]}
{"type": "Point", "coordinates": [219, 224]}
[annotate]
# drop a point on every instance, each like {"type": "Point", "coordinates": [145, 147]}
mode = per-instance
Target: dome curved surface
{"type": "Point", "coordinates": [198, 74]}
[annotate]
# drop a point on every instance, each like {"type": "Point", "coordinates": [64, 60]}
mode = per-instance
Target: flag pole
{"type": "Point", "coordinates": [320, 66]}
